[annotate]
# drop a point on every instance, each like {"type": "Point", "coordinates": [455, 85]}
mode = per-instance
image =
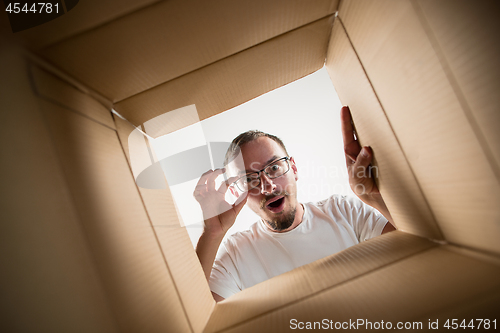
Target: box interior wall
{"type": "Point", "coordinates": [84, 248]}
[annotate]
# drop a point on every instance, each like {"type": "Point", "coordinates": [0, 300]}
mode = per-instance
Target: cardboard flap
{"type": "Point", "coordinates": [53, 89]}
{"type": "Point", "coordinates": [236, 79]}
{"type": "Point", "coordinates": [136, 277]}
{"type": "Point", "coordinates": [173, 239]}
{"type": "Point", "coordinates": [316, 278]}
{"type": "Point", "coordinates": [166, 40]}
{"type": "Point", "coordinates": [86, 15]}
{"type": "Point", "coordinates": [465, 37]}
{"type": "Point", "coordinates": [443, 142]}
{"type": "Point", "coordinates": [426, 286]}
{"type": "Point", "coordinates": [396, 180]}
{"type": "Point", "coordinates": [49, 280]}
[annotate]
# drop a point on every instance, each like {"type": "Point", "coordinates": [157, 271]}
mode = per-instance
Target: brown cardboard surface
{"type": "Point", "coordinates": [175, 245]}
{"type": "Point", "coordinates": [85, 16]}
{"type": "Point", "coordinates": [158, 202]}
{"type": "Point", "coordinates": [85, 248]}
{"type": "Point", "coordinates": [441, 145]}
{"type": "Point", "coordinates": [465, 35]}
{"type": "Point", "coordinates": [171, 38]}
{"type": "Point", "coordinates": [49, 280]}
{"type": "Point", "coordinates": [136, 277]}
{"type": "Point", "coordinates": [316, 278]}
{"type": "Point", "coordinates": [397, 183]}
{"type": "Point", "coordinates": [236, 79]}
{"type": "Point", "coordinates": [483, 307]}
{"type": "Point", "coordinates": [187, 273]}
{"type": "Point", "coordinates": [52, 89]}
{"type": "Point", "coordinates": [172, 121]}
{"type": "Point", "coordinates": [61, 75]}
{"type": "Point", "coordinates": [419, 288]}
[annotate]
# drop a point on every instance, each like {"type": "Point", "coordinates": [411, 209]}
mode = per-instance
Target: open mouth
{"type": "Point", "coordinates": [276, 205]}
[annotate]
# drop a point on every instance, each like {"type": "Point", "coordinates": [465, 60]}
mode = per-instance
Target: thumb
{"type": "Point", "coordinates": [364, 158]}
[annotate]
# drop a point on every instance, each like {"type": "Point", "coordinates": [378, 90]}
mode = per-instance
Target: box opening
{"type": "Point", "coordinates": [304, 114]}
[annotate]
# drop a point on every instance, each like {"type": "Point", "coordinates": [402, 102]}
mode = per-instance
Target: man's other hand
{"type": "Point", "coordinates": [358, 161]}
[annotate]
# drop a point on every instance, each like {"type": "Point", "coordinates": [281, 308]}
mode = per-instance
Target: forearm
{"type": "Point", "coordinates": [206, 249]}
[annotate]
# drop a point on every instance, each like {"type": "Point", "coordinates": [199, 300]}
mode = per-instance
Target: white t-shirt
{"type": "Point", "coordinates": [255, 255]}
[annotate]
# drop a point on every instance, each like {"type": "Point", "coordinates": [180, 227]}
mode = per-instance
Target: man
{"type": "Point", "coordinates": [289, 234]}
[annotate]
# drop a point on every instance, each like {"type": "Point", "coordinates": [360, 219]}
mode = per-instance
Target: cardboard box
{"type": "Point", "coordinates": [83, 248]}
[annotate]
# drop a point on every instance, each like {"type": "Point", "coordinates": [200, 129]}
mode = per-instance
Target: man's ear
{"type": "Point", "coordinates": [294, 168]}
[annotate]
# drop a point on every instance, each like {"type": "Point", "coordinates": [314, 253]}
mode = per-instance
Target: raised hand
{"type": "Point", "coordinates": [358, 162]}
{"type": "Point", "coordinates": [218, 214]}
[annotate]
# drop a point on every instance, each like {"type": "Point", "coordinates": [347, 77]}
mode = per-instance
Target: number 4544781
{"type": "Point", "coordinates": [40, 7]}
{"type": "Point", "coordinates": [473, 323]}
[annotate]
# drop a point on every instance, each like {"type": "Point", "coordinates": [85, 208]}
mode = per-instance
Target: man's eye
{"type": "Point", "coordinates": [275, 167]}
{"type": "Point", "coordinates": [250, 179]}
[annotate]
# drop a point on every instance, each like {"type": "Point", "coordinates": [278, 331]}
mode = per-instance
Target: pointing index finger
{"type": "Point", "coordinates": [351, 145]}
{"type": "Point", "coordinates": [346, 123]}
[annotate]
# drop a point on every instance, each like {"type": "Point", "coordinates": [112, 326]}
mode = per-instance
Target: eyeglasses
{"type": "Point", "coordinates": [273, 170]}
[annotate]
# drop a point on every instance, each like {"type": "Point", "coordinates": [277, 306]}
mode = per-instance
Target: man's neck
{"type": "Point", "coordinates": [299, 215]}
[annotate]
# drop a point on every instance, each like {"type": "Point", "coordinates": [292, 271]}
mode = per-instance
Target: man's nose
{"type": "Point", "coordinates": [266, 184]}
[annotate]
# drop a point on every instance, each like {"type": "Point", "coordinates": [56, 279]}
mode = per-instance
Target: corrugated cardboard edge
{"type": "Point", "coordinates": [401, 290]}
{"type": "Point", "coordinates": [215, 88]}
{"type": "Point", "coordinates": [51, 88]}
{"type": "Point", "coordinates": [397, 182]}
{"type": "Point", "coordinates": [78, 114]}
{"type": "Point", "coordinates": [115, 221]}
{"type": "Point", "coordinates": [183, 264]}
{"type": "Point", "coordinates": [47, 266]}
{"type": "Point", "coordinates": [315, 278]}
{"type": "Point", "coordinates": [133, 53]}
{"type": "Point", "coordinates": [407, 74]}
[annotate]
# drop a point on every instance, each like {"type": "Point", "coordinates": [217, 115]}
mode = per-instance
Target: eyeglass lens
{"type": "Point", "coordinates": [273, 170]}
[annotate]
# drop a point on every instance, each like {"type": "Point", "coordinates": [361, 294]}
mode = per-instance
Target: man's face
{"type": "Point", "coordinates": [274, 200]}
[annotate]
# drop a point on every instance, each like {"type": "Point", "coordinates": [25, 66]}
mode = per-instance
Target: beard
{"type": "Point", "coordinates": [282, 221]}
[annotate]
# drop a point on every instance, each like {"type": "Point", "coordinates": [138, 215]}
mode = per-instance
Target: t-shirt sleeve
{"type": "Point", "coordinates": [224, 278]}
{"type": "Point", "coordinates": [366, 221]}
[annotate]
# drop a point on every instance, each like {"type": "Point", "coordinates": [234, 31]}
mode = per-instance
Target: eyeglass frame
{"type": "Point", "coordinates": [286, 158]}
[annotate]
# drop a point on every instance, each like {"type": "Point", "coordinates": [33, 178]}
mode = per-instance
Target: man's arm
{"type": "Point", "coordinates": [206, 249]}
{"type": "Point", "coordinates": [218, 217]}
{"type": "Point", "coordinates": [358, 167]}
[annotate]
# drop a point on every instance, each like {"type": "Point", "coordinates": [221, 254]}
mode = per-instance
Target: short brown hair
{"type": "Point", "coordinates": [248, 136]}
